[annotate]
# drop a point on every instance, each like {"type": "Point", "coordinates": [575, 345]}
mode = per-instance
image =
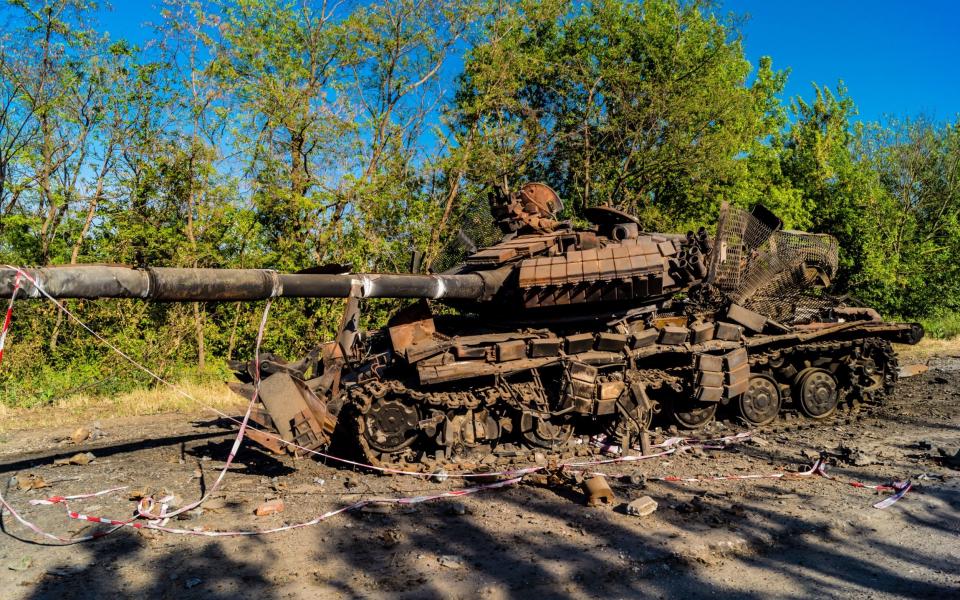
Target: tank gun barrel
{"type": "Point", "coordinates": [169, 284]}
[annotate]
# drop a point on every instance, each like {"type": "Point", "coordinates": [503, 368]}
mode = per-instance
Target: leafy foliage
{"type": "Point", "coordinates": [290, 133]}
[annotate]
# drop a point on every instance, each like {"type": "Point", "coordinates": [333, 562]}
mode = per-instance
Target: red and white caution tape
{"type": "Point", "coordinates": [899, 487]}
{"type": "Point", "coordinates": [63, 499]}
{"type": "Point", "coordinates": [159, 525]}
{"type": "Point", "coordinates": [902, 488]}
{"type": "Point", "coordinates": [9, 315]}
{"type": "Point", "coordinates": [145, 506]}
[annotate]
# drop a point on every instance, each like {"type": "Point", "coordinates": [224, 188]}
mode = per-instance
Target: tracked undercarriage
{"type": "Point", "coordinates": [557, 404]}
{"type": "Point", "coordinates": [558, 335]}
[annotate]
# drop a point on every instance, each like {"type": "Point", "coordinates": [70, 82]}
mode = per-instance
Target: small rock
{"type": "Point", "coordinates": [641, 507]}
{"type": "Point", "coordinates": [190, 515]}
{"type": "Point", "coordinates": [450, 561]}
{"type": "Point", "coordinates": [270, 508]}
{"type": "Point", "coordinates": [20, 564]}
{"type": "Point", "coordinates": [391, 537]}
{"type": "Point", "coordinates": [912, 370]}
{"type": "Point", "coordinates": [319, 481]}
{"type": "Point", "coordinates": [440, 476]}
{"type": "Point", "coordinates": [856, 456]}
{"type": "Point", "coordinates": [137, 494]}
{"type": "Point", "coordinates": [31, 481]}
{"type": "Point", "coordinates": [738, 510]}
{"type": "Point", "coordinates": [949, 457]}
{"type": "Point", "coordinates": [192, 582]}
{"type": "Point", "coordinates": [349, 483]}
{"type": "Point", "coordinates": [81, 458]}
{"type": "Point", "coordinates": [80, 434]}
{"type": "Point", "coordinates": [67, 571]}
{"type": "Point", "coordinates": [689, 507]}
{"type": "Point", "coordinates": [214, 504]}
{"type": "Point", "coordinates": [457, 508]}
{"type": "Point", "coordinates": [539, 458]}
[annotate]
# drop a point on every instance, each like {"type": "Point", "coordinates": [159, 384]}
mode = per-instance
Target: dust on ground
{"type": "Point", "coordinates": [793, 538]}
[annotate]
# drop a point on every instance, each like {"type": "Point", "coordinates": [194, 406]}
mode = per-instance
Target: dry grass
{"type": "Point", "coordinates": [926, 348]}
{"type": "Point", "coordinates": [81, 408]}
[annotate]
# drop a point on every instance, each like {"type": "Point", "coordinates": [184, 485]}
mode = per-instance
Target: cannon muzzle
{"type": "Point", "coordinates": [167, 284]}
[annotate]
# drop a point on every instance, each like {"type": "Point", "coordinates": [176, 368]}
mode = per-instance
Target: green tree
{"type": "Point", "coordinates": [646, 106]}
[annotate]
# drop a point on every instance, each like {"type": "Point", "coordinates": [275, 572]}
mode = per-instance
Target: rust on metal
{"type": "Point", "coordinates": [553, 333]}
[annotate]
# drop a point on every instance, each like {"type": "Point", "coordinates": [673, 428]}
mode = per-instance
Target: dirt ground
{"type": "Point", "coordinates": [788, 538]}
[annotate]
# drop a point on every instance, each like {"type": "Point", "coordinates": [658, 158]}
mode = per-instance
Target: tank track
{"type": "Point", "coordinates": [486, 417]}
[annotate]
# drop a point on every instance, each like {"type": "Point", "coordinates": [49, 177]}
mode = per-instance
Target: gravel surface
{"type": "Point", "coordinates": [788, 538]}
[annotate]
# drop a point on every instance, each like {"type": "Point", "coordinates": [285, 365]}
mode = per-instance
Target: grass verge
{"type": "Point", "coordinates": [81, 408]}
{"type": "Point", "coordinates": [942, 327]}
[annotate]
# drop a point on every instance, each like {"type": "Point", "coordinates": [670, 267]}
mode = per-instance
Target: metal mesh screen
{"type": "Point", "coordinates": [779, 274]}
{"type": "Point", "coordinates": [477, 230]}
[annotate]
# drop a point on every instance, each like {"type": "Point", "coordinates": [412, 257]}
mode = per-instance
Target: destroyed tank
{"type": "Point", "coordinates": [557, 334]}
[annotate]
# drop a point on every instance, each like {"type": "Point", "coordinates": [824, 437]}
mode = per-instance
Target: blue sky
{"type": "Point", "coordinates": [896, 58]}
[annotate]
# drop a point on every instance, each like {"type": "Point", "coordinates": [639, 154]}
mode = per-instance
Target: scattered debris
{"type": "Point", "coordinates": [598, 492]}
{"type": "Point", "coordinates": [192, 582]}
{"type": "Point", "coordinates": [137, 494]}
{"type": "Point", "coordinates": [80, 434]}
{"type": "Point", "coordinates": [31, 481]}
{"type": "Point", "coordinates": [377, 508]}
{"type": "Point", "coordinates": [949, 457]}
{"type": "Point", "coordinates": [20, 564]}
{"type": "Point", "coordinates": [856, 456]}
{"type": "Point", "coordinates": [641, 507]}
{"type": "Point", "coordinates": [66, 571]}
{"type": "Point", "coordinates": [81, 458]}
{"type": "Point", "coordinates": [391, 537]}
{"type": "Point", "coordinates": [269, 508]}
{"type": "Point", "coordinates": [450, 561]}
{"type": "Point", "coordinates": [457, 508]}
{"type": "Point", "coordinates": [190, 515]}
{"type": "Point", "coordinates": [912, 370]}
{"type": "Point", "coordinates": [214, 504]}
{"type": "Point", "coordinates": [738, 510]}
{"type": "Point", "coordinates": [694, 506]}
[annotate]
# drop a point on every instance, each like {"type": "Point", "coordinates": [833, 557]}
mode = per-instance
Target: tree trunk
{"type": "Point", "coordinates": [198, 312]}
